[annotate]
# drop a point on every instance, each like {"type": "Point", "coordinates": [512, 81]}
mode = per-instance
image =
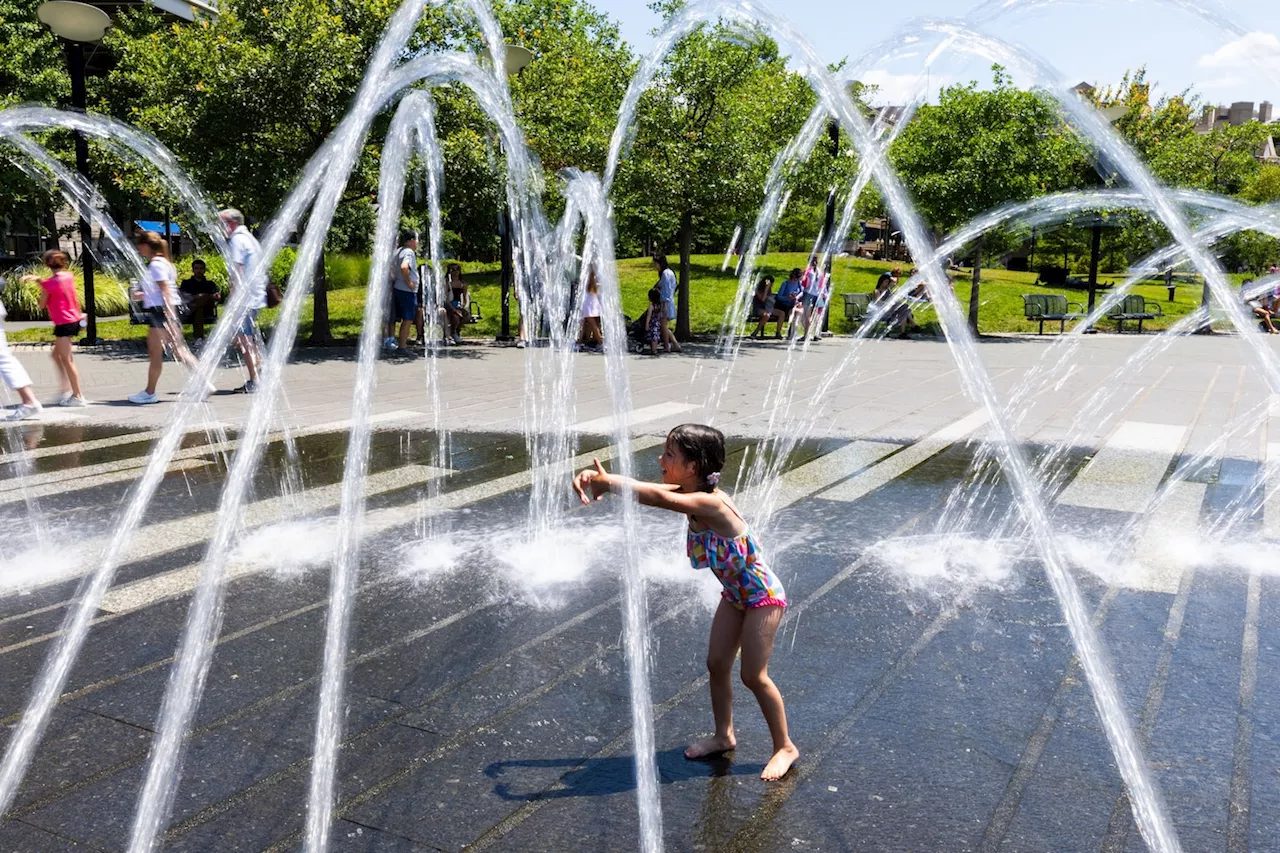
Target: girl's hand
{"type": "Point", "coordinates": [594, 481]}
{"type": "Point", "coordinates": [30, 278]}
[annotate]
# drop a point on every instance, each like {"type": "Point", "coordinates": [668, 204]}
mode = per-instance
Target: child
{"type": "Point", "coordinates": [16, 377]}
{"type": "Point", "coordinates": [158, 293]}
{"type": "Point", "coordinates": [753, 599]}
{"type": "Point", "coordinates": [655, 321]}
{"type": "Point", "coordinates": [591, 338]}
{"type": "Point", "coordinates": [58, 296]}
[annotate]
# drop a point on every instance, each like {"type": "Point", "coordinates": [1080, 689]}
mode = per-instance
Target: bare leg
{"type": "Point", "coordinates": [726, 636]}
{"type": "Point", "coordinates": [759, 628]}
{"type": "Point", "coordinates": [68, 365]}
{"type": "Point", "coordinates": [28, 396]}
{"type": "Point", "coordinates": [668, 337]}
{"type": "Point", "coordinates": [402, 338]}
{"type": "Point", "coordinates": [155, 357]}
{"type": "Point", "coordinates": [248, 347]}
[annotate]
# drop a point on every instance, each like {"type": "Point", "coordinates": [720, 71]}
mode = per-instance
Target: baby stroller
{"type": "Point", "coordinates": [635, 334]}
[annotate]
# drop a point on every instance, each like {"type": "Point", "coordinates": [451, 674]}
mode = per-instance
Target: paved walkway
{"type": "Point", "coordinates": [930, 680]}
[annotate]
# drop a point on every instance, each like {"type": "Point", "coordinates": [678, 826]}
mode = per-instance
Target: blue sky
{"type": "Point", "coordinates": [1091, 41]}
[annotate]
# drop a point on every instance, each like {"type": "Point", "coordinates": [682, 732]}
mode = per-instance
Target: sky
{"type": "Point", "coordinates": [1092, 41]}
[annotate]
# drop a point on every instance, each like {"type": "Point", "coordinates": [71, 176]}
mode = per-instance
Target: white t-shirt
{"type": "Point", "coordinates": [159, 273]}
{"type": "Point", "coordinates": [405, 255]}
{"type": "Point", "coordinates": [591, 305]}
{"type": "Point", "coordinates": [813, 282]}
{"type": "Point", "coordinates": [244, 254]}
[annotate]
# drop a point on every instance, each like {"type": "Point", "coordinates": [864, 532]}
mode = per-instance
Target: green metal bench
{"type": "Point", "coordinates": [1053, 307]}
{"type": "Point", "coordinates": [856, 308]}
{"type": "Point", "coordinates": [1134, 308]}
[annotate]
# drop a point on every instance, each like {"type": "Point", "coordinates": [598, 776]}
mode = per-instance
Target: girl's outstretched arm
{"type": "Point", "coordinates": [597, 482]}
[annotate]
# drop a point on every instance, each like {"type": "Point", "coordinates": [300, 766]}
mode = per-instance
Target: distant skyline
{"type": "Point", "coordinates": [1094, 42]}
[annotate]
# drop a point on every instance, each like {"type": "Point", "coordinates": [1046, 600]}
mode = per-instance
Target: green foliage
{"type": "Point", "coordinates": [706, 134]}
{"type": "Point", "coordinates": [1264, 187]}
{"type": "Point", "coordinates": [980, 148]}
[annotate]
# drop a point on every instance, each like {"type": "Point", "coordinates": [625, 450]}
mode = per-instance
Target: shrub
{"type": "Point", "coordinates": [21, 298]}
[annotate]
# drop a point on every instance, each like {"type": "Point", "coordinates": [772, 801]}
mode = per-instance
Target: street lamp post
{"type": "Point", "coordinates": [517, 58]}
{"type": "Point", "coordinates": [78, 23]}
{"type": "Point", "coordinates": [829, 226]}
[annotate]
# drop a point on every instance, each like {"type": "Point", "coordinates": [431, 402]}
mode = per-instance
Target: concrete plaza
{"type": "Point", "coordinates": [936, 702]}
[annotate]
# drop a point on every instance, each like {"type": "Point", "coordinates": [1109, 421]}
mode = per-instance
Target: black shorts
{"type": "Point", "coordinates": [66, 330]}
{"type": "Point", "coordinates": [155, 317]}
{"type": "Point", "coordinates": [784, 304]}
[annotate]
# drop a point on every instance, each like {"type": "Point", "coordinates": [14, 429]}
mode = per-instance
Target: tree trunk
{"type": "Point", "coordinates": [682, 303]}
{"type": "Point", "coordinates": [320, 334]}
{"type": "Point", "coordinates": [974, 298]}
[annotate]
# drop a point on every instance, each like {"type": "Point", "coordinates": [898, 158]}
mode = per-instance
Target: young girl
{"type": "Point", "coordinates": [58, 296]}
{"type": "Point", "coordinates": [158, 294]}
{"type": "Point", "coordinates": [655, 321]}
{"type": "Point", "coordinates": [591, 338]}
{"type": "Point", "coordinates": [753, 599]}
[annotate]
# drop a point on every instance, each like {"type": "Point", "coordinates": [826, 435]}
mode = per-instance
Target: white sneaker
{"type": "Point", "coordinates": [142, 398]}
{"type": "Point", "coordinates": [73, 402]}
{"type": "Point", "coordinates": [25, 412]}
{"type": "Point", "coordinates": [520, 344]}
{"type": "Point", "coordinates": [61, 399]}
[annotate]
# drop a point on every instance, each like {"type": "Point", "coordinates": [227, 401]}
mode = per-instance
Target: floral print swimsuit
{"type": "Point", "coordinates": [739, 564]}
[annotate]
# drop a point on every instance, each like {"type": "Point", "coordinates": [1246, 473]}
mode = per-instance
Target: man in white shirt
{"type": "Point", "coordinates": [245, 253]}
{"type": "Point", "coordinates": [404, 290]}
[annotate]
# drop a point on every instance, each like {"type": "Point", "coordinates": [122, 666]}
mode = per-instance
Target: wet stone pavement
{"type": "Point", "coordinates": [931, 690]}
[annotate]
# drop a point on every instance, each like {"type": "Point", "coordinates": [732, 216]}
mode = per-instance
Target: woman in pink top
{"type": "Point", "coordinates": [58, 296]}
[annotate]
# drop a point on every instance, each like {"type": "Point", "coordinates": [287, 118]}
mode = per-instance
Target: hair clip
{"type": "Point", "coordinates": [713, 478]}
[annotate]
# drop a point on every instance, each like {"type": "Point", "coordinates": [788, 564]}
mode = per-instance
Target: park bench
{"type": "Point", "coordinates": [856, 307]}
{"type": "Point", "coordinates": [1039, 307]}
{"type": "Point", "coordinates": [1134, 308]}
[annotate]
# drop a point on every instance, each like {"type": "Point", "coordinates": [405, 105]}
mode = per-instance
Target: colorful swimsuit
{"type": "Point", "coordinates": [739, 565]}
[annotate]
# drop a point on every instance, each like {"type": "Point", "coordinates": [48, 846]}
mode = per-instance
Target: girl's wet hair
{"type": "Point", "coordinates": [154, 242]}
{"type": "Point", "coordinates": [703, 447]}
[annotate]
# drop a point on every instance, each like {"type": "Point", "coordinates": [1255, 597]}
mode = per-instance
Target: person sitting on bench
{"type": "Point", "coordinates": [199, 296]}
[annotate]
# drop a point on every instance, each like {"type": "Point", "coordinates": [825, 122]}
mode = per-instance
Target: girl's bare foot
{"type": "Point", "coordinates": [713, 745]}
{"type": "Point", "coordinates": [780, 763]}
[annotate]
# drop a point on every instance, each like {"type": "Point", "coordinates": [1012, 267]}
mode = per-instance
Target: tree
{"type": "Point", "coordinates": [32, 69]}
{"type": "Point", "coordinates": [1264, 188]}
{"type": "Point", "coordinates": [977, 149]}
{"type": "Point", "coordinates": [707, 132]}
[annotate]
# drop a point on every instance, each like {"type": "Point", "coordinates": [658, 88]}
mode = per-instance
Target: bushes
{"type": "Point", "coordinates": [22, 298]}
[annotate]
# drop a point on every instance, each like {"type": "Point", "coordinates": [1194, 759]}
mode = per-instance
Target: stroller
{"type": "Point", "coordinates": [635, 334]}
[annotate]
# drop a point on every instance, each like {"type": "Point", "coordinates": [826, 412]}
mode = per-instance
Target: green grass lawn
{"type": "Point", "coordinates": [711, 290]}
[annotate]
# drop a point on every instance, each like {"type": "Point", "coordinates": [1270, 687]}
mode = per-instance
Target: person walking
{"type": "Point", "coordinates": [15, 376]}
{"type": "Point", "coordinates": [245, 254]}
{"type": "Point", "coordinates": [58, 297]}
{"type": "Point", "coordinates": [158, 293]}
{"type": "Point", "coordinates": [667, 288]}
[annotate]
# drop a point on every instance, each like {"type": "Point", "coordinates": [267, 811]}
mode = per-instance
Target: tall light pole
{"type": "Point", "coordinates": [78, 23]}
{"type": "Point", "coordinates": [517, 58]}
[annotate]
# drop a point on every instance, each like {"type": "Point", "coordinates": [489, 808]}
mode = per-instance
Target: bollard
{"type": "Point", "coordinates": [1172, 288]}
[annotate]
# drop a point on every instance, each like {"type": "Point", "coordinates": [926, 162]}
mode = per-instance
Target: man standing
{"type": "Point", "coordinates": [245, 253]}
{"type": "Point", "coordinates": [404, 291]}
